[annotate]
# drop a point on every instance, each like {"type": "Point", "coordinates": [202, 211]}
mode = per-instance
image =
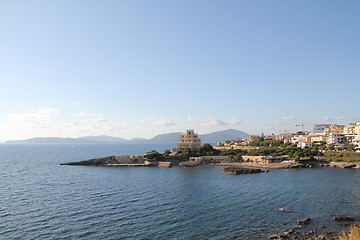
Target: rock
{"type": "Point", "coordinates": [305, 221]}
{"type": "Point", "coordinates": [322, 226]}
{"type": "Point", "coordinates": [280, 236]}
{"type": "Point", "coordinates": [343, 165]}
{"type": "Point", "coordinates": [312, 232]}
{"type": "Point", "coordinates": [289, 232]}
{"type": "Point", "coordinates": [164, 164]}
{"type": "Point", "coordinates": [296, 165]}
{"type": "Point", "coordinates": [238, 170]}
{"type": "Point", "coordinates": [343, 218]}
{"type": "Point", "coordinates": [349, 166]}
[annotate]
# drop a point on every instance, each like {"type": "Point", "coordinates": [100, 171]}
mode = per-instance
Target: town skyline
{"type": "Point", "coordinates": [137, 69]}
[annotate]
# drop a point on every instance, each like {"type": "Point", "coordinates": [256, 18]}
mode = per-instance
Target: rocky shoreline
{"type": "Point", "coordinates": [140, 161]}
{"type": "Point", "coordinates": [242, 170]}
{"type": "Point", "coordinates": [317, 232]}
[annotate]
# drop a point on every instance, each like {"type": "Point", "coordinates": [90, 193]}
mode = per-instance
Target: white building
{"type": "Point", "coordinates": [305, 144]}
{"type": "Point", "coordinates": [319, 129]}
{"type": "Point", "coordinates": [356, 141]}
{"type": "Point", "coordinates": [335, 138]}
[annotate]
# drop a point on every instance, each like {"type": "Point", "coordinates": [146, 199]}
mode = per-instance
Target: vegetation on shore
{"type": "Point", "coordinates": [270, 148]}
{"type": "Point", "coordinates": [342, 156]}
{"type": "Point", "coordinates": [284, 149]}
{"type": "Point", "coordinates": [204, 150]}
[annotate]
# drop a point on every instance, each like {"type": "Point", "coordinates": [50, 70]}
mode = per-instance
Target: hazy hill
{"type": "Point", "coordinates": [169, 137]}
{"type": "Point", "coordinates": [89, 139]}
{"type": "Point", "coordinates": [139, 140]}
{"type": "Point", "coordinates": [218, 136]}
{"type": "Point", "coordinates": [104, 138]}
{"type": "Point", "coordinates": [52, 140]}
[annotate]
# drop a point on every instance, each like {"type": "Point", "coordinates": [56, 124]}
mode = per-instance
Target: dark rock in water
{"type": "Point", "coordinates": [305, 221]}
{"type": "Point", "coordinates": [237, 170]}
{"type": "Point", "coordinates": [344, 218]}
{"type": "Point", "coordinates": [312, 232]}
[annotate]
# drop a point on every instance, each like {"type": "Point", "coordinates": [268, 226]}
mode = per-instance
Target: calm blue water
{"type": "Point", "coordinates": [40, 199]}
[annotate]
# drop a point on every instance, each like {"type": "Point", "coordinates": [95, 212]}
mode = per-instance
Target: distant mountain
{"type": "Point", "coordinates": [103, 138]}
{"type": "Point", "coordinates": [139, 140]}
{"type": "Point", "coordinates": [52, 140]}
{"type": "Point", "coordinates": [89, 139]}
{"type": "Point", "coordinates": [220, 136]}
{"type": "Point", "coordinates": [169, 137]}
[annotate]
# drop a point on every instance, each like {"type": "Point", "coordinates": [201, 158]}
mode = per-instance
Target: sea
{"type": "Point", "coordinates": [41, 199]}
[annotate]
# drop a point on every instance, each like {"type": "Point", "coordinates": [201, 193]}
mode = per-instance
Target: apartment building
{"type": "Point", "coordinates": [319, 129]}
{"type": "Point", "coordinates": [190, 139]}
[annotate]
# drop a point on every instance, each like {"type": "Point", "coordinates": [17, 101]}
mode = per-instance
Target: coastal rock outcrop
{"type": "Point", "coordinates": [315, 235]}
{"type": "Point", "coordinates": [343, 165]}
{"type": "Point", "coordinates": [344, 218]}
{"type": "Point", "coordinates": [238, 170]}
{"type": "Point", "coordinates": [110, 160]}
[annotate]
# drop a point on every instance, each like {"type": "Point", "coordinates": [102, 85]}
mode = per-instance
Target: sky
{"type": "Point", "coordinates": [137, 68]}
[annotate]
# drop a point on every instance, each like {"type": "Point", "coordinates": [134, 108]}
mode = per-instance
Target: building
{"type": "Point", "coordinates": [335, 138]}
{"type": "Point", "coordinates": [299, 137]}
{"type": "Point", "coordinates": [253, 139]}
{"type": "Point", "coordinates": [352, 128]}
{"type": "Point", "coordinates": [319, 129]}
{"type": "Point", "coordinates": [270, 138]}
{"type": "Point", "coordinates": [357, 127]}
{"type": "Point", "coordinates": [318, 138]}
{"type": "Point", "coordinates": [188, 140]}
{"type": "Point", "coordinates": [335, 129]}
{"type": "Point", "coordinates": [305, 144]}
{"type": "Point", "coordinates": [356, 141]}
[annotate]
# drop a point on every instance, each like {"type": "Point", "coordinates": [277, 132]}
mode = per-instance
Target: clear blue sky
{"type": "Point", "coordinates": [140, 68]}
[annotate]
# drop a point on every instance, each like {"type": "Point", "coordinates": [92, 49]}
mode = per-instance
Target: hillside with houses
{"type": "Point", "coordinates": [326, 136]}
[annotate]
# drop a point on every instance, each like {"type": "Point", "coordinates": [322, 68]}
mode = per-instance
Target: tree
{"type": "Point", "coordinates": [239, 158]}
{"type": "Point", "coordinates": [208, 150]}
{"type": "Point", "coordinates": [331, 146]}
{"type": "Point", "coordinates": [350, 147]}
{"type": "Point", "coordinates": [166, 152]}
{"type": "Point", "coordinates": [153, 155]}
